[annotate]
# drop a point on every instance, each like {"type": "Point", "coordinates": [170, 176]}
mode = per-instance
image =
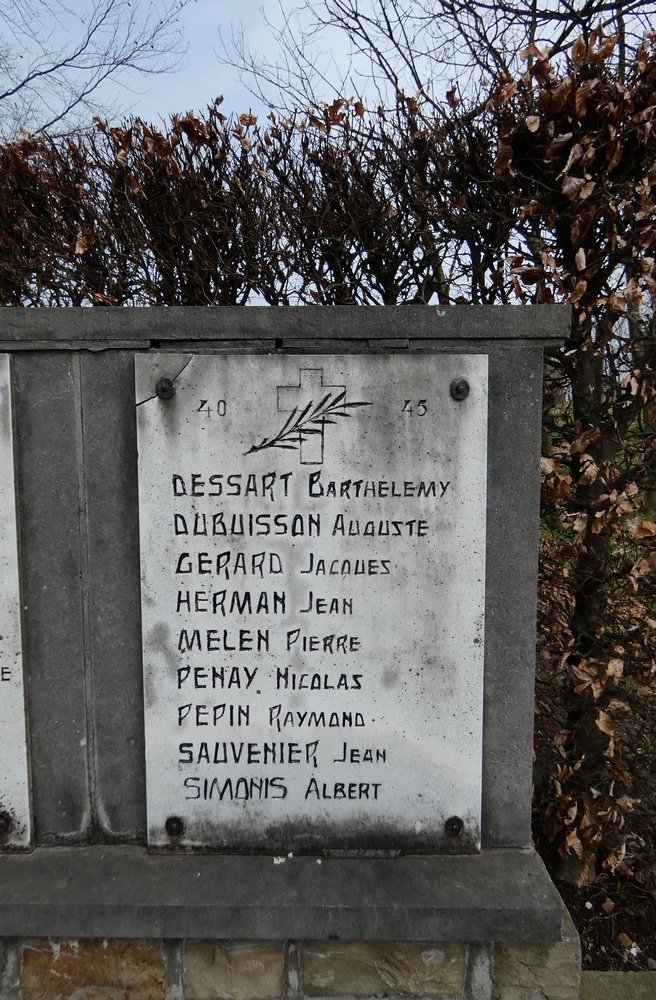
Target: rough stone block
{"type": "Point", "coordinates": [239, 970]}
{"type": "Point", "coordinates": [93, 970]}
{"type": "Point", "coordinates": [618, 986]}
{"type": "Point", "coordinates": [535, 972]}
{"type": "Point", "coordinates": [377, 969]}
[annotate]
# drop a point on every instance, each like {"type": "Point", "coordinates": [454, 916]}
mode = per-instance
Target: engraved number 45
{"type": "Point", "coordinates": [418, 409]}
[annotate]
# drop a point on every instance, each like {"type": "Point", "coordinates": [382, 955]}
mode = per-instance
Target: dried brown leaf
{"type": "Point", "coordinates": [582, 94]}
{"type": "Point", "coordinates": [605, 722]}
{"type": "Point", "coordinates": [572, 187]}
{"type": "Point", "coordinates": [530, 209]}
{"type": "Point", "coordinates": [572, 843]}
{"type": "Point", "coordinates": [81, 244]}
{"type": "Point", "coordinates": [643, 528]}
{"type": "Point", "coordinates": [614, 155]}
{"type": "Point", "coordinates": [532, 51]}
{"type": "Point", "coordinates": [575, 154]}
{"type": "Point", "coordinates": [626, 803]}
{"type": "Point", "coordinates": [504, 158]}
{"type": "Point", "coordinates": [615, 668]}
{"type": "Point", "coordinates": [578, 292]}
{"type": "Point", "coordinates": [560, 94]}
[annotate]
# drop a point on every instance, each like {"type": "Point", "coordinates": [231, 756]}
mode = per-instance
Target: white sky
{"type": "Point", "coordinates": [42, 76]}
{"type": "Point", "coordinates": [201, 76]}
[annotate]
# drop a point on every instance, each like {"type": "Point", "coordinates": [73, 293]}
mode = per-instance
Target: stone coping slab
{"type": "Point", "coordinates": [500, 895]}
{"type": "Point", "coordinates": [97, 329]}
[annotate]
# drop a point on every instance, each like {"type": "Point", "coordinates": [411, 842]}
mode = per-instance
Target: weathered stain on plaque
{"type": "Point", "coordinates": [312, 549]}
{"type": "Point", "coordinates": [15, 826]}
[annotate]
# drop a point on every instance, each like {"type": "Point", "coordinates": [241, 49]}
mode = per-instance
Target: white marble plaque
{"type": "Point", "coordinates": [15, 823]}
{"type": "Point", "coordinates": [313, 579]}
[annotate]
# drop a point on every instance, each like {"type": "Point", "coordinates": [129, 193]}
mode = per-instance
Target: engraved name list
{"type": "Point", "coordinates": [312, 549]}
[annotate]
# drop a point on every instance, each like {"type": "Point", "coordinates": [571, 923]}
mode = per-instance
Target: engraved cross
{"type": "Point", "coordinates": [310, 388]}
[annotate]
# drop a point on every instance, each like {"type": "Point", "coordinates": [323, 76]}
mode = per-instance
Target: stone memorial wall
{"type": "Point", "coordinates": [267, 626]}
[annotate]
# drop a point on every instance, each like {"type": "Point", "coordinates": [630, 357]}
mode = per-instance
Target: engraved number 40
{"type": "Point", "coordinates": [417, 409]}
{"type": "Point", "coordinates": [206, 408]}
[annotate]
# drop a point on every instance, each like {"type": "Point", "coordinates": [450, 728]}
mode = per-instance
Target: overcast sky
{"type": "Point", "coordinates": [201, 77]}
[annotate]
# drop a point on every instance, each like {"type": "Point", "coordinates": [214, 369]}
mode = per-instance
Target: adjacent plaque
{"type": "Point", "coordinates": [312, 552]}
{"type": "Point", "coordinates": [15, 827]}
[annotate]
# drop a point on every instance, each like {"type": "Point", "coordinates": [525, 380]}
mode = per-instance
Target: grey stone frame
{"type": "Point", "coordinates": [76, 469]}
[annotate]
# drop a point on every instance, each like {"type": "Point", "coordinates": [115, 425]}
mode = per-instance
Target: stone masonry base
{"type": "Point", "coordinates": [97, 969]}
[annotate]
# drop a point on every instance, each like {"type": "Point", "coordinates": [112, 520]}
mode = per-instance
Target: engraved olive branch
{"type": "Point", "coordinates": [301, 425]}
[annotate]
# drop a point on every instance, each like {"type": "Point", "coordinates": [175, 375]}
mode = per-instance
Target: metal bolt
{"type": "Point", "coordinates": [459, 389]}
{"type": "Point", "coordinates": [6, 823]}
{"type": "Point", "coordinates": [165, 388]}
{"type": "Point", "coordinates": [454, 827]}
{"type": "Point", "coordinates": [174, 826]}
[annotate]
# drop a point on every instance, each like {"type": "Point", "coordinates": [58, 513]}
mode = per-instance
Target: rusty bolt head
{"type": "Point", "coordinates": [6, 823]}
{"type": "Point", "coordinates": [165, 388]}
{"type": "Point", "coordinates": [174, 826]}
{"type": "Point", "coordinates": [459, 389]}
{"type": "Point", "coordinates": [454, 827]}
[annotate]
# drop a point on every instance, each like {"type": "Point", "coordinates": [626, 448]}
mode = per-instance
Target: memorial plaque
{"type": "Point", "coordinates": [313, 580]}
{"type": "Point", "coordinates": [15, 826]}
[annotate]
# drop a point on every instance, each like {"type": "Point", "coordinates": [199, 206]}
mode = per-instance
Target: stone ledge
{"type": "Point", "coordinates": [71, 327]}
{"type": "Point", "coordinates": [125, 892]}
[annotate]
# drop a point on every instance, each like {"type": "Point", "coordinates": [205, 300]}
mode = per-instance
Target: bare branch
{"type": "Point", "coordinates": [419, 46]}
{"type": "Point", "coordinates": [55, 58]}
